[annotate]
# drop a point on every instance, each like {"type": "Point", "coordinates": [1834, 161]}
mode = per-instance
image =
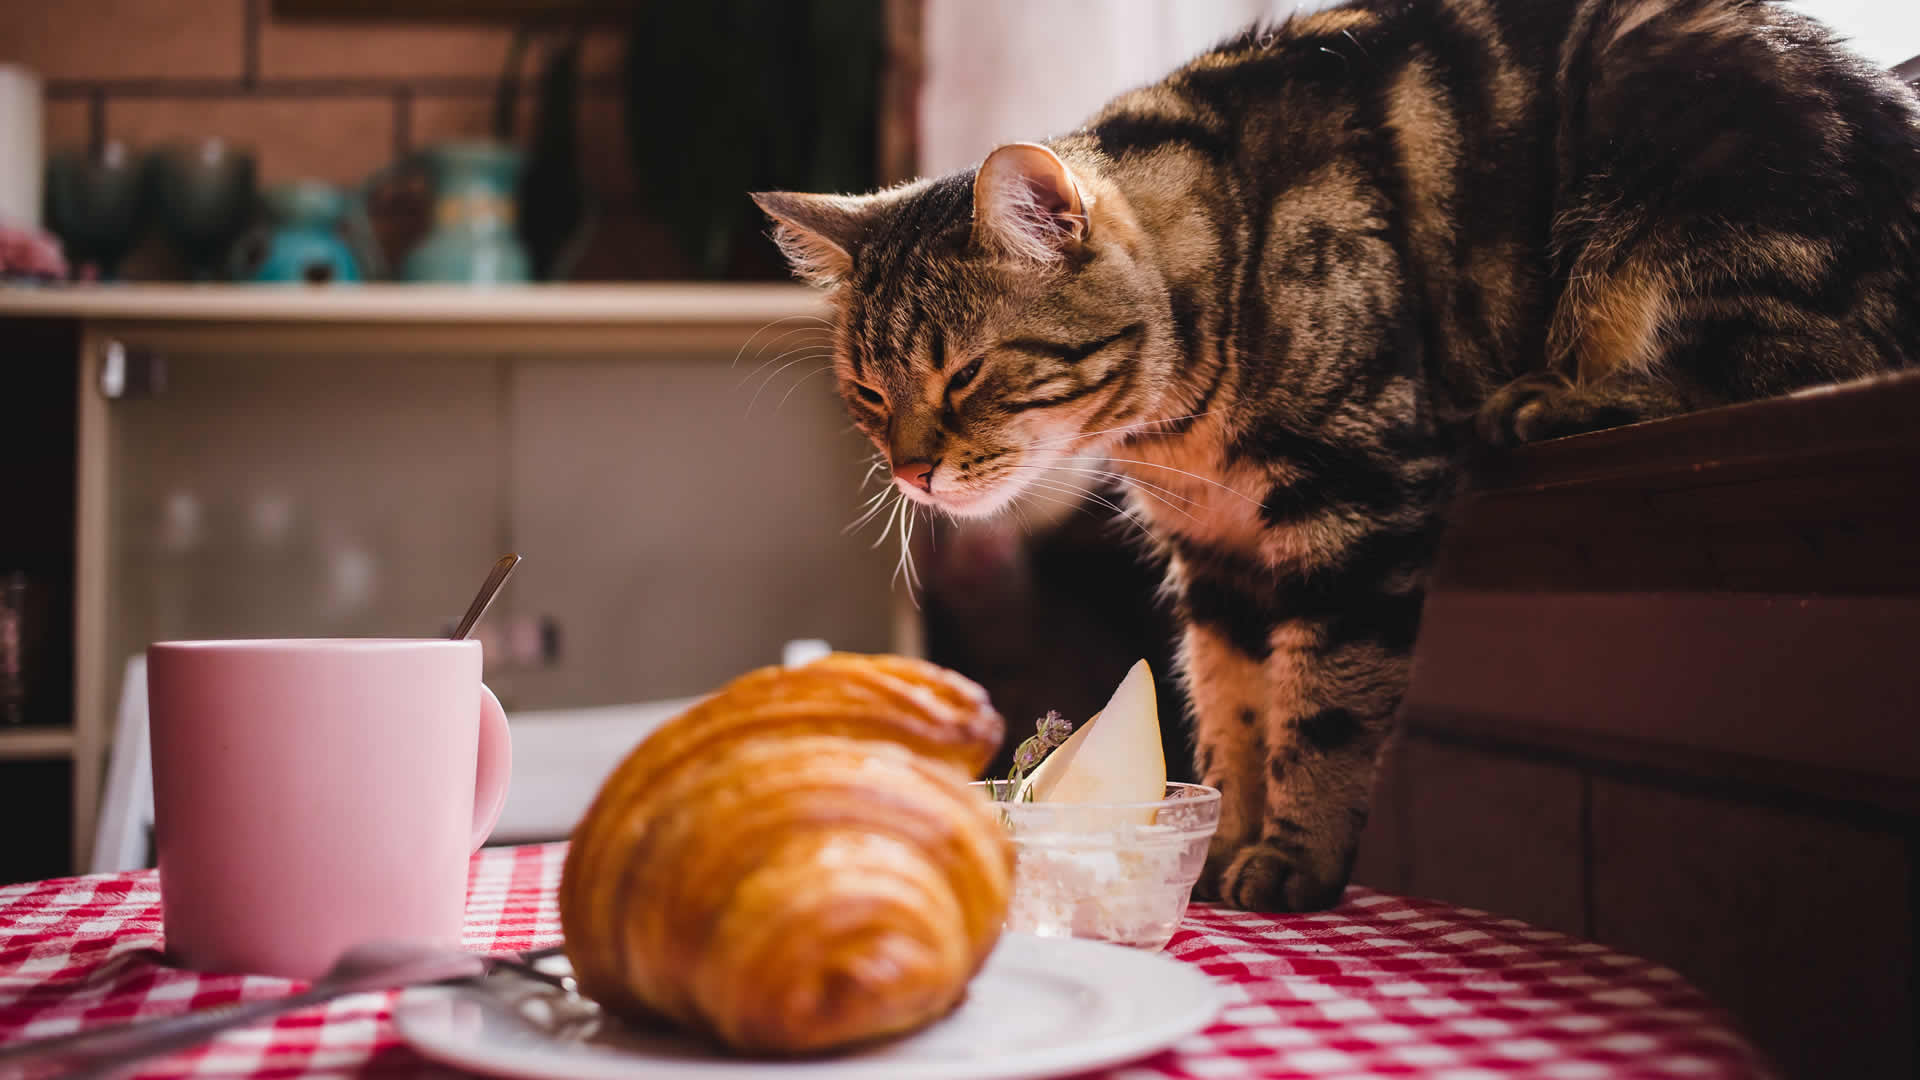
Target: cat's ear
{"type": "Point", "coordinates": [1027, 203]}
{"type": "Point", "coordinates": [818, 233]}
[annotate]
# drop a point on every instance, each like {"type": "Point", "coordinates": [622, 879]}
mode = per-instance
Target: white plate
{"type": "Point", "coordinates": [1041, 1007]}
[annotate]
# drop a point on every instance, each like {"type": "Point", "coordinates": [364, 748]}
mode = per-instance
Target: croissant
{"type": "Point", "coordinates": [795, 864]}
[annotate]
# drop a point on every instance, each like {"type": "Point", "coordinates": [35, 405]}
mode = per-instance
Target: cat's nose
{"type": "Point", "coordinates": [918, 472]}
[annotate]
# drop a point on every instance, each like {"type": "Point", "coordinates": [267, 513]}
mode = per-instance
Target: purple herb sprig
{"type": "Point", "coordinates": [1051, 730]}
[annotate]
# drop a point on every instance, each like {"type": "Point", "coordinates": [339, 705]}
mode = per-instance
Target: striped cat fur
{"type": "Point", "coordinates": [1286, 289]}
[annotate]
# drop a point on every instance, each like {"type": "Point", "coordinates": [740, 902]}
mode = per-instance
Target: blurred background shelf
{"type": "Point", "coordinates": [407, 317]}
{"type": "Point", "coordinates": [508, 11]}
{"type": "Point", "coordinates": [26, 743]}
{"type": "Point", "coordinates": [246, 461]}
{"type": "Point", "coordinates": [631, 305]}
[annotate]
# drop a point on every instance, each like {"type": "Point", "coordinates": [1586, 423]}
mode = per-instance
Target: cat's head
{"type": "Point", "coordinates": [988, 323]}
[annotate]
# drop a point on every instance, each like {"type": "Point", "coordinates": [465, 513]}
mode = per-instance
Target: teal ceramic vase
{"type": "Point", "coordinates": [306, 239]}
{"type": "Point", "coordinates": [473, 240]}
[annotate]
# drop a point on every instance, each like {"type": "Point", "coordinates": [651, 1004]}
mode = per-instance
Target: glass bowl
{"type": "Point", "coordinates": [1118, 872]}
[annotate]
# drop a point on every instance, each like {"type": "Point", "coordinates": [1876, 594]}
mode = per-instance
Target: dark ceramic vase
{"type": "Point", "coordinates": [204, 196]}
{"type": "Point", "coordinates": [96, 203]}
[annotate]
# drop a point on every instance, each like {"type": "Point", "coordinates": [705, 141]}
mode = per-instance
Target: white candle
{"type": "Point", "coordinates": [22, 150]}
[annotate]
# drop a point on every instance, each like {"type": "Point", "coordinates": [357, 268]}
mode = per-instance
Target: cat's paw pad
{"type": "Point", "coordinates": [1523, 411]}
{"type": "Point", "coordinates": [1262, 877]}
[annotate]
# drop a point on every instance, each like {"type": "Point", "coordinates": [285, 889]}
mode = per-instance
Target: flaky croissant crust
{"type": "Point", "coordinates": [796, 863]}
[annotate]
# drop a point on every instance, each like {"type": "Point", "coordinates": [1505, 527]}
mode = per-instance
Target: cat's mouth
{"type": "Point", "coordinates": [970, 500]}
{"type": "Point", "coordinates": [996, 482]}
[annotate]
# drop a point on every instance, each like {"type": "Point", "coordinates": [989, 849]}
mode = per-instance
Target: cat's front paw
{"type": "Point", "coordinates": [1262, 877]}
{"type": "Point", "coordinates": [1523, 411]}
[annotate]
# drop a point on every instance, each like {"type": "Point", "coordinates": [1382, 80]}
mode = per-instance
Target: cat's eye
{"type": "Point", "coordinates": [965, 375]}
{"type": "Point", "coordinates": [868, 393]}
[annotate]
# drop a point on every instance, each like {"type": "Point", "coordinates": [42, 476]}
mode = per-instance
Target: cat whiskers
{"type": "Point", "coordinates": [803, 348]}
{"type": "Point", "coordinates": [1059, 444]}
{"type": "Point", "coordinates": [1153, 491]}
{"type": "Point", "coordinates": [1133, 481]}
{"type": "Point", "coordinates": [893, 518]}
{"type": "Point", "coordinates": [1236, 493]}
{"type": "Point", "coordinates": [816, 353]}
{"type": "Point", "coordinates": [1079, 497]}
{"type": "Point", "coordinates": [1033, 493]}
{"type": "Point", "coordinates": [823, 325]}
{"type": "Point", "coordinates": [901, 515]}
{"type": "Point", "coordinates": [876, 502]}
{"type": "Point", "coordinates": [905, 566]}
{"type": "Point", "coordinates": [1019, 515]}
{"type": "Point", "coordinates": [869, 510]}
{"type": "Point", "coordinates": [825, 346]}
{"type": "Point", "coordinates": [797, 382]}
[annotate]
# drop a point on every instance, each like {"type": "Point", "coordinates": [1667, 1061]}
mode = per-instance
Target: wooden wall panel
{"type": "Point", "coordinates": [1796, 923]}
{"type": "Point", "coordinates": [1496, 833]}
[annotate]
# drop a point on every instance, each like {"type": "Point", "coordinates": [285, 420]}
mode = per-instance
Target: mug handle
{"type": "Point", "coordinates": [494, 769]}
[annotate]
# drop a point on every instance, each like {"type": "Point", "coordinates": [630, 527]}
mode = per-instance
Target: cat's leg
{"type": "Point", "coordinates": [1228, 692]}
{"type": "Point", "coordinates": [1711, 351]}
{"type": "Point", "coordinates": [1326, 737]}
{"type": "Point", "coordinates": [1336, 669]}
{"type": "Point", "coordinates": [1226, 687]}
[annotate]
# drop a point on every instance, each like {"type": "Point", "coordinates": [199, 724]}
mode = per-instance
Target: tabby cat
{"type": "Point", "coordinates": [1284, 290]}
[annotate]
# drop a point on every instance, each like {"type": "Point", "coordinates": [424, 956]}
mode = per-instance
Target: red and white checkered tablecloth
{"type": "Point", "coordinates": [1380, 986]}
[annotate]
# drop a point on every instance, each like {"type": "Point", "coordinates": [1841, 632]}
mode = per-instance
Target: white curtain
{"type": "Point", "coordinates": [1003, 71]}
{"type": "Point", "coordinates": [1006, 70]}
{"type": "Point", "coordinates": [1884, 31]}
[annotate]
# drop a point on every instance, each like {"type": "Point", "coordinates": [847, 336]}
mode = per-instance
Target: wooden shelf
{"type": "Point", "coordinates": [18, 744]}
{"type": "Point", "coordinates": [507, 11]}
{"type": "Point", "coordinates": [664, 303]}
{"type": "Point", "coordinates": [275, 320]}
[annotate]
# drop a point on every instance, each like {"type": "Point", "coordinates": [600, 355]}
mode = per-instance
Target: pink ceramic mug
{"type": "Point", "coordinates": [314, 794]}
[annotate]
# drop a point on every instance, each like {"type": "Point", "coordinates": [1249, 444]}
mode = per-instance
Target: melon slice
{"type": "Point", "coordinates": [1113, 757]}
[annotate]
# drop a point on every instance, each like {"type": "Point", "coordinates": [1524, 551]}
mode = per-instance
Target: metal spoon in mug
{"type": "Point", "coordinates": [484, 599]}
{"type": "Point", "coordinates": [363, 968]}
